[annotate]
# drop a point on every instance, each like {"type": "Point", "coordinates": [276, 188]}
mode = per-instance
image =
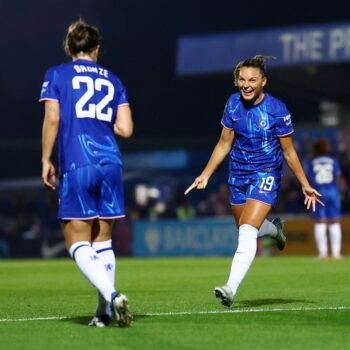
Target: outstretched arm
{"type": "Point", "coordinates": [290, 155]}
{"type": "Point", "coordinates": [49, 135]}
{"type": "Point", "coordinates": [220, 151]}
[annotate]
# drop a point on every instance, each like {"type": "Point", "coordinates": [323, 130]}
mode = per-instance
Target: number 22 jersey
{"type": "Point", "coordinates": [89, 96]}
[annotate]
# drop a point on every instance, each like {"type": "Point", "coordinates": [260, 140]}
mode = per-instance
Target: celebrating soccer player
{"type": "Point", "coordinates": [86, 105]}
{"type": "Point", "coordinates": [257, 129]}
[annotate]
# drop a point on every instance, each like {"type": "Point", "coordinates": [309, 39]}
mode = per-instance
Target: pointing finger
{"type": "Point", "coordinates": [194, 185]}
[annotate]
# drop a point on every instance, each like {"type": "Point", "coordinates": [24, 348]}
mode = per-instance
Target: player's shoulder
{"type": "Point", "coordinates": [275, 105]}
{"type": "Point", "coordinates": [52, 69]}
{"type": "Point", "coordinates": [59, 71]}
{"type": "Point", "coordinates": [274, 101]}
{"type": "Point", "coordinates": [61, 67]}
{"type": "Point", "coordinates": [108, 73]}
{"type": "Point", "coordinates": [117, 79]}
{"type": "Point", "coordinates": [334, 160]}
{"type": "Point", "coordinates": [234, 99]}
{"type": "Point", "coordinates": [324, 158]}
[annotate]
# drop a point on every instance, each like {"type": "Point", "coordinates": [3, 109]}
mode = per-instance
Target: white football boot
{"type": "Point", "coordinates": [119, 306]}
{"type": "Point", "coordinates": [225, 294]}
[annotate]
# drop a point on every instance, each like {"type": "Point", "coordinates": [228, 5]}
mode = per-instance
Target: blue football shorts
{"type": "Point", "coordinates": [332, 208]}
{"type": "Point", "coordinates": [93, 191]}
{"type": "Point", "coordinates": [263, 187]}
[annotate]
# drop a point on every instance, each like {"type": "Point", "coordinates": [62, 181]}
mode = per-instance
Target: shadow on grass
{"type": "Point", "coordinates": [84, 320]}
{"type": "Point", "coordinates": [262, 302]}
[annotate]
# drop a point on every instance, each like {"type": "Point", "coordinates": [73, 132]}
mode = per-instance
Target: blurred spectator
{"type": "Point", "coordinates": [185, 210]}
{"type": "Point", "coordinates": [33, 232]}
{"type": "Point", "coordinates": [203, 209]}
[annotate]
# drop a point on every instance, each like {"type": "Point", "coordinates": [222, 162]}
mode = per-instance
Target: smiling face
{"type": "Point", "coordinates": [251, 82]}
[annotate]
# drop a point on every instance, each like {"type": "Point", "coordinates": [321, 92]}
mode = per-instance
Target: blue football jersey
{"type": "Point", "coordinates": [256, 147]}
{"type": "Point", "coordinates": [89, 96]}
{"type": "Point", "coordinates": [322, 172]}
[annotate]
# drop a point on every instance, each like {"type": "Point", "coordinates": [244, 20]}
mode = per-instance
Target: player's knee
{"type": "Point", "coordinates": [248, 230]}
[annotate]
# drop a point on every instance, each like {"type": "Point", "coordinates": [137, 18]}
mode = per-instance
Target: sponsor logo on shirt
{"type": "Point", "coordinates": [44, 87]}
{"type": "Point", "coordinates": [287, 119]}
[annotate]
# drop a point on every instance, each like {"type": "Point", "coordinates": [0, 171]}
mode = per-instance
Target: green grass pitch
{"type": "Point", "coordinates": [284, 303]}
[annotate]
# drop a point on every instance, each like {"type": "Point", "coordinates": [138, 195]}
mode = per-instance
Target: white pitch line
{"type": "Point", "coordinates": [238, 311]}
{"type": "Point", "coordinates": [189, 313]}
{"type": "Point", "coordinates": [34, 319]}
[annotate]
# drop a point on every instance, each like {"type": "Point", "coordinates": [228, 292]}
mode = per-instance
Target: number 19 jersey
{"type": "Point", "coordinates": [257, 130]}
{"type": "Point", "coordinates": [89, 96]}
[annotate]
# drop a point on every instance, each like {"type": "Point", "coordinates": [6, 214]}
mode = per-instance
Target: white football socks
{"type": "Point", "coordinates": [244, 256]}
{"type": "Point", "coordinates": [267, 229]}
{"type": "Point", "coordinates": [335, 238]}
{"type": "Point", "coordinates": [105, 252]}
{"type": "Point", "coordinates": [92, 267]}
{"type": "Point", "coordinates": [320, 232]}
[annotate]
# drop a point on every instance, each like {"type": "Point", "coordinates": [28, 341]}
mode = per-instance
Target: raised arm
{"type": "Point", "coordinates": [220, 151]}
{"type": "Point", "coordinates": [49, 135]}
{"type": "Point", "coordinates": [292, 159]}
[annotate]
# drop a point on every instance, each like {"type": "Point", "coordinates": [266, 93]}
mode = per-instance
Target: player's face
{"type": "Point", "coordinates": [251, 84]}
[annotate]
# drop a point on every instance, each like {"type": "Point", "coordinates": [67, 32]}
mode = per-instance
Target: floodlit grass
{"type": "Point", "coordinates": [284, 303]}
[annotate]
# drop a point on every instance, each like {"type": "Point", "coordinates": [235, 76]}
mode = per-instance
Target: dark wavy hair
{"type": "Point", "coordinates": [81, 38]}
{"type": "Point", "coordinates": [257, 61]}
{"type": "Point", "coordinates": [321, 147]}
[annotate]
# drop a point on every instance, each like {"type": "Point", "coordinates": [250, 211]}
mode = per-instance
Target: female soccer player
{"type": "Point", "coordinates": [86, 105]}
{"type": "Point", "coordinates": [256, 132]}
{"type": "Point", "coordinates": [325, 175]}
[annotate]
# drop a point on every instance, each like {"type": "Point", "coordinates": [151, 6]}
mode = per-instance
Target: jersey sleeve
{"type": "Point", "coordinates": [122, 94]}
{"type": "Point", "coordinates": [49, 89]}
{"type": "Point", "coordinates": [227, 120]}
{"type": "Point", "coordinates": [284, 124]}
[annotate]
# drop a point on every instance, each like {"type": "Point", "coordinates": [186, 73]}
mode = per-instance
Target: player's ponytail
{"type": "Point", "coordinates": [258, 61]}
{"type": "Point", "coordinates": [81, 38]}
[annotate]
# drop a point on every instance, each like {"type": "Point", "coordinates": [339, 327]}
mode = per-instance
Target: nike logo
{"type": "Point", "coordinates": [111, 205]}
{"type": "Point", "coordinates": [48, 251]}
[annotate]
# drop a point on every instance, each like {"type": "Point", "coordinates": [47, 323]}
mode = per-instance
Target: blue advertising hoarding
{"type": "Point", "coordinates": [200, 237]}
{"type": "Point", "coordinates": [292, 46]}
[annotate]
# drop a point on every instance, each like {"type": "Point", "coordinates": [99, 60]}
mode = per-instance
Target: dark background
{"type": "Point", "coordinates": [139, 45]}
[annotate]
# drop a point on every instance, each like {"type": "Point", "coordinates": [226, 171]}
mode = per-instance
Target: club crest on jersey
{"type": "Point", "coordinates": [263, 124]}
